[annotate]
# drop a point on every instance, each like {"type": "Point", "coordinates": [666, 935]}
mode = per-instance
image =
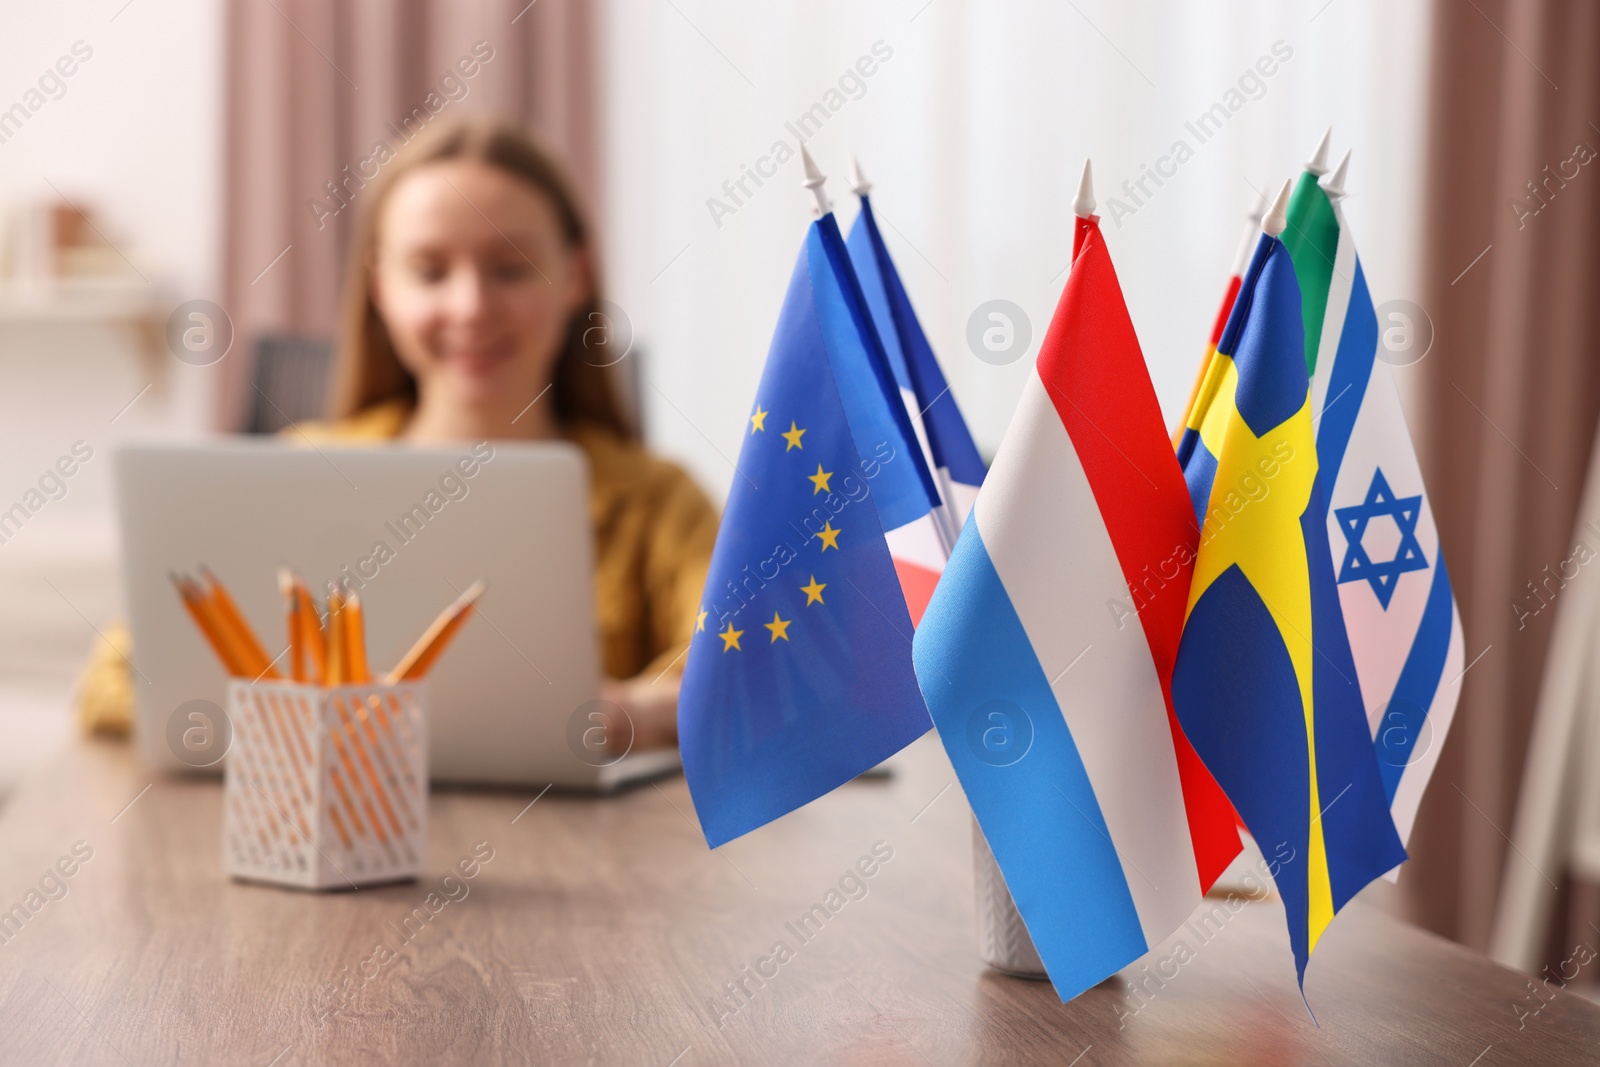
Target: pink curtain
{"type": "Point", "coordinates": [314, 85]}
{"type": "Point", "coordinates": [1510, 393]}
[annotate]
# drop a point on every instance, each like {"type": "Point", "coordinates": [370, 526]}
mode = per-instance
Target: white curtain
{"type": "Point", "coordinates": [973, 125]}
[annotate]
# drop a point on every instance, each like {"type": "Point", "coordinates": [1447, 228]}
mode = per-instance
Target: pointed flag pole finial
{"type": "Point", "coordinates": [814, 181]}
{"type": "Point", "coordinates": [1258, 208]}
{"type": "Point", "coordinates": [1083, 204]}
{"type": "Point", "coordinates": [1318, 163]}
{"type": "Point", "coordinates": [1276, 219]}
{"type": "Point", "coordinates": [1333, 184]}
{"type": "Point", "coordinates": [858, 180]}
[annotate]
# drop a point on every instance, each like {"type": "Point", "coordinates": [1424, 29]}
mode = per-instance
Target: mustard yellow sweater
{"type": "Point", "coordinates": [653, 534]}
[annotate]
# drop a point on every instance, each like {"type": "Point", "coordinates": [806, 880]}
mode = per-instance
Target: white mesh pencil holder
{"type": "Point", "coordinates": [326, 787]}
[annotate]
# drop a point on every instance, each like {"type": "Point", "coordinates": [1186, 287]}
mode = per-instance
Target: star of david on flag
{"type": "Point", "coordinates": [1358, 565]}
{"type": "Point", "coordinates": [1405, 631]}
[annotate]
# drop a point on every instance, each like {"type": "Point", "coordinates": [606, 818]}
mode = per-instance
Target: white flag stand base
{"type": "Point", "coordinates": [1003, 940]}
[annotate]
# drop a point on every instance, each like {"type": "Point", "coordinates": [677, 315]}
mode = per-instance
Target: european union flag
{"type": "Point", "coordinates": [799, 676]}
{"type": "Point", "coordinates": [1265, 685]}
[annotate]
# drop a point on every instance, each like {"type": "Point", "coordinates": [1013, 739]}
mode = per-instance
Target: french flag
{"type": "Point", "coordinates": [919, 548]}
{"type": "Point", "coordinates": [1046, 652]}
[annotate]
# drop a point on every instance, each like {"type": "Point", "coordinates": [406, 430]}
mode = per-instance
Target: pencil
{"type": "Point", "coordinates": [194, 602]}
{"type": "Point", "coordinates": [421, 656]}
{"type": "Point", "coordinates": [376, 780]}
{"type": "Point", "coordinates": [243, 661]}
{"type": "Point", "coordinates": [336, 667]}
{"type": "Point", "coordinates": [311, 630]}
{"type": "Point", "coordinates": [291, 612]}
{"type": "Point", "coordinates": [256, 662]}
{"type": "Point", "coordinates": [355, 637]}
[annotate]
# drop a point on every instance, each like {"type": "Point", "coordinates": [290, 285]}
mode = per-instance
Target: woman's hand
{"type": "Point", "coordinates": [639, 712]}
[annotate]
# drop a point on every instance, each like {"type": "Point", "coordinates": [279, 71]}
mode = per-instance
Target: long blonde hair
{"type": "Point", "coordinates": [367, 370]}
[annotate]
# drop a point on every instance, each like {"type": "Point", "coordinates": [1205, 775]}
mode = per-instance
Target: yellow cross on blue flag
{"type": "Point", "coordinates": [799, 677]}
{"type": "Point", "coordinates": [1265, 685]}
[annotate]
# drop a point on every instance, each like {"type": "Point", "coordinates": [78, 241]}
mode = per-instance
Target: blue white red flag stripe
{"type": "Point", "coordinates": [919, 547]}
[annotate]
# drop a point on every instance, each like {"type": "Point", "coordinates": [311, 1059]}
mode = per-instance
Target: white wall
{"type": "Point", "coordinates": [136, 137]}
{"type": "Point", "coordinates": [974, 132]}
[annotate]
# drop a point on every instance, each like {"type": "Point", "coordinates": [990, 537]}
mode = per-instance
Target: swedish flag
{"type": "Point", "coordinates": [1265, 684]}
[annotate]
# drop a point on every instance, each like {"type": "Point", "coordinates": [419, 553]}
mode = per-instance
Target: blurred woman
{"type": "Point", "coordinates": [472, 312]}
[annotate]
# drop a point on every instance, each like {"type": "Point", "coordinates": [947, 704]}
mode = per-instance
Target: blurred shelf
{"type": "Point", "coordinates": [79, 300]}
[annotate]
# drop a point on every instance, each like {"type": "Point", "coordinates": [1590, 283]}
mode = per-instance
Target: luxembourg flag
{"type": "Point", "coordinates": [1046, 653]}
{"type": "Point", "coordinates": [920, 547]}
{"type": "Point", "coordinates": [1399, 609]}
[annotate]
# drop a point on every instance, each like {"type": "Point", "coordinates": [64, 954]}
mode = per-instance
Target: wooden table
{"type": "Point", "coordinates": [604, 931]}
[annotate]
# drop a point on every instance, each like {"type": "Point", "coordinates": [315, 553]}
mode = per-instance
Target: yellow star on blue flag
{"type": "Point", "coordinates": [766, 726]}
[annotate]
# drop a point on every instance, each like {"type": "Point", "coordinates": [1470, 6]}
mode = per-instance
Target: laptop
{"type": "Point", "coordinates": [512, 701]}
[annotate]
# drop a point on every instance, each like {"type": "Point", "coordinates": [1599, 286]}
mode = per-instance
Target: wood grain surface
{"type": "Point", "coordinates": [603, 931]}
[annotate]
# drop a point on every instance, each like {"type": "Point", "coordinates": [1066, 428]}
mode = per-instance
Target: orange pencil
{"type": "Point", "coordinates": [337, 672]}
{"type": "Point", "coordinates": [199, 610]}
{"type": "Point", "coordinates": [421, 656]}
{"type": "Point", "coordinates": [291, 612]}
{"type": "Point", "coordinates": [243, 663]}
{"type": "Point", "coordinates": [355, 636]}
{"type": "Point", "coordinates": [311, 630]}
{"type": "Point", "coordinates": [337, 664]}
{"type": "Point", "coordinates": [256, 662]}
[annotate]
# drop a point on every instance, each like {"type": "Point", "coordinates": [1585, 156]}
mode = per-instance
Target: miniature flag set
{"type": "Point", "coordinates": [1274, 669]}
